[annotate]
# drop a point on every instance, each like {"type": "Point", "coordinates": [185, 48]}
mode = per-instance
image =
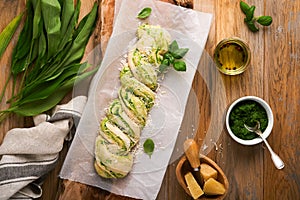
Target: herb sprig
{"type": "Point", "coordinates": [173, 58]}
{"type": "Point", "coordinates": [252, 20]}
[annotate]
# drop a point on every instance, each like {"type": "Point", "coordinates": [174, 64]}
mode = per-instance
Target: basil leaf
{"type": "Point", "coordinates": [148, 146]}
{"type": "Point", "coordinates": [179, 65]}
{"type": "Point", "coordinates": [244, 7]}
{"type": "Point", "coordinates": [173, 46]}
{"type": "Point", "coordinates": [163, 68]}
{"type": "Point", "coordinates": [179, 53]}
{"type": "Point", "coordinates": [252, 26]}
{"type": "Point", "coordinates": [169, 57]}
{"type": "Point", "coordinates": [250, 13]}
{"type": "Point", "coordinates": [265, 20]}
{"type": "Point", "coordinates": [144, 13]}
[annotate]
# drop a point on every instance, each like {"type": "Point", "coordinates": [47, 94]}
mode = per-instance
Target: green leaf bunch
{"type": "Point", "coordinates": [47, 55]}
{"type": "Point", "coordinates": [251, 20]}
{"type": "Point", "coordinates": [173, 57]}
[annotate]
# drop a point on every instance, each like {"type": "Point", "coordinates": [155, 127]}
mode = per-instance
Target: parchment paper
{"type": "Point", "coordinates": [190, 29]}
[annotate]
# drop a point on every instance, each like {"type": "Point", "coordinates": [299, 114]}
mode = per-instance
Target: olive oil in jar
{"type": "Point", "coordinates": [232, 56]}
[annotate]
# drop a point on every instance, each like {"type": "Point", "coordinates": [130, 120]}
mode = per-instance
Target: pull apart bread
{"type": "Point", "coordinates": [126, 115]}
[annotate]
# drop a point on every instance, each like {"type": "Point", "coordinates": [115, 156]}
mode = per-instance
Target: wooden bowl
{"type": "Point", "coordinates": [183, 167]}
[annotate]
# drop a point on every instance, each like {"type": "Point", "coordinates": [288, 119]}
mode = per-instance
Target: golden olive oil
{"type": "Point", "coordinates": [232, 56]}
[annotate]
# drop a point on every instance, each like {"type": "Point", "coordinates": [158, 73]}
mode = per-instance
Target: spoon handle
{"type": "Point", "coordinates": [279, 164]}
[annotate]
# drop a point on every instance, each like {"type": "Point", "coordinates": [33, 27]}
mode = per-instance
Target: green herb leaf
{"type": "Point", "coordinates": [148, 146]}
{"type": "Point", "coordinates": [67, 35]}
{"type": "Point", "coordinates": [163, 68]}
{"type": "Point", "coordinates": [179, 65]}
{"type": "Point", "coordinates": [173, 46]}
{"type": "Point", "coordinates": [244, 7]}
{"type": "Point", "coordinates": [51, 11]}
{"type": "Point", "coordinates": [265, 20]}
{"type": "Point", "coordinates": [179, 53]}
{"type": "Point", "coordinates": [250, 19]}
{"type": "Point", "coordinates": [250, 13]}
{"type": "Point", "coordinates": [50, 76]}
{"type": "Point", "coordinates": [39, 106]}
{"type": "Point", "coordinates": [165, 64]}
{"type": "Point", "coordinates": [8, 32]}
{"type": "Point", "coordinates": [21, 52]}
{"type": "Point", "coordinates": [144, 13]}
{"type": "Point", "coordinates": [252, 26]}
{"type": "Point", "coordinates": [81, 37]}
{"type": "Point", "coordinates": [169, 57]}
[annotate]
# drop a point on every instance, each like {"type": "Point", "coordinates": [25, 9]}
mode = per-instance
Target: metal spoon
{"type": "Point", "coordinates": [275, 158]}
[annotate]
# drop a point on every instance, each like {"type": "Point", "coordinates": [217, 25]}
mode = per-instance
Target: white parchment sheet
{"type": "Point", "coordinates": [190, 29]}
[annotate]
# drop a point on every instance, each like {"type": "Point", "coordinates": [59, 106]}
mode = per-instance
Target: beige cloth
{"type": "Point", "coordinates": [28, 154]}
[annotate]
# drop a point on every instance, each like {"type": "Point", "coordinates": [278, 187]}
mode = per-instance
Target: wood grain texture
{"type": "Point", "coordinates": [273, 75]}
{"type": "Point", "coordinates": [282, 61]}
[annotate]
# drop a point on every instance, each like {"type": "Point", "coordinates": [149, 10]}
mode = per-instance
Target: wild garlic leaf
{"type": "Point", "coordinates": [21, 52]}
{"type": "Point", "coordinates": [8, 32]}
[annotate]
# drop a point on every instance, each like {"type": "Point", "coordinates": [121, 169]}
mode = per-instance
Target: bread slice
{"type": "Point", "coordinates": [193, 186]}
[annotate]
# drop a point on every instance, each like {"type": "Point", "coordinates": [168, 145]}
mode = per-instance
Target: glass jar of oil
{"type": "Point", "coordinates": [232, 56]}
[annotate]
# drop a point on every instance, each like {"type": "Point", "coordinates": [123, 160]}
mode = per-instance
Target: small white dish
{"type": "Point", "coordinates": [266, 132]}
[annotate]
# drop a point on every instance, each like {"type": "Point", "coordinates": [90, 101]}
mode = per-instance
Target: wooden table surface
{"type": "Point", "coordinates": [273, 74]}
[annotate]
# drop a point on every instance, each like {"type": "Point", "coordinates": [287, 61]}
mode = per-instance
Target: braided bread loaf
{"type": "Point", "coordinates": [126, 116]}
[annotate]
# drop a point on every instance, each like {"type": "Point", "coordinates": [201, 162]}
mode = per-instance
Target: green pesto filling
{"type": "Point", "coordinates": [247, 112]}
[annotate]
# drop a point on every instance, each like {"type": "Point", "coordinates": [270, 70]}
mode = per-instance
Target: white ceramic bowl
{"type": "Point", "coordinates": [268, 130]}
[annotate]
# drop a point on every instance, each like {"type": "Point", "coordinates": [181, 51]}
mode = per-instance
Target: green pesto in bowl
{"type": "Point", "coordinates": [247, 112]}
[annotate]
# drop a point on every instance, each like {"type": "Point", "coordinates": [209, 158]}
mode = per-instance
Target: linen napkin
{"type": "Point", "coordinates": [28, 154]}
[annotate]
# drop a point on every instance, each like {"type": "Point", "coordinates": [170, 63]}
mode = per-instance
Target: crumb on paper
{"type": "Point", "coordinates": [216, 146]}
{"type": "Point", "coordinates": [204, 147]}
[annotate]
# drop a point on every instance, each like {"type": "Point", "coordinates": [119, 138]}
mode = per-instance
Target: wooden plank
{"type": "Point", "coordinates": [228, 22]}
{"type": "Point", "coordinates": [282, 80]}
{"type": "Point", "coordinates": [9, 9]}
